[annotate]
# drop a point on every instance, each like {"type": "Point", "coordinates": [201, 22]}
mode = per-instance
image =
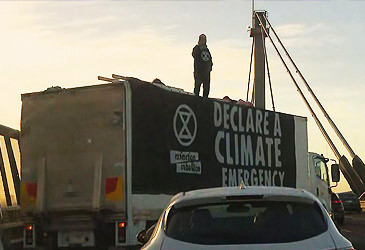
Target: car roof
{"type": "Point", "coordinates": [272, 193]}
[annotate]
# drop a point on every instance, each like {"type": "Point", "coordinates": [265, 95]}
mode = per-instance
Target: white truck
{"type": "Point", "coordinates": [99, 163]}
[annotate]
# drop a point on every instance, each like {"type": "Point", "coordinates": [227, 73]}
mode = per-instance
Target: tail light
{"type": "Point", "coordinates": [336, 202]}
{"type": "Point", "coordinates": [29, 236]}
{"type": "Point", "coordinates": [120, 232]}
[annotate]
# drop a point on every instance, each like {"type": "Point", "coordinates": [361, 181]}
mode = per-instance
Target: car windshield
{"type": "Point", "coordinates": [248, 222]}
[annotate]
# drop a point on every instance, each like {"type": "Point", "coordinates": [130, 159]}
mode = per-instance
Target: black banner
{"type": "Point", "coordinates": [182, 142]}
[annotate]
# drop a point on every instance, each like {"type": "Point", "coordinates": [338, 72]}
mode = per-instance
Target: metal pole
{"type": "Point", "coordinates": [268, 74]}
{"type": "Point", "coordinates": [249, 71]}
{"type": "Point", "coordinates": [5, 180]}
{"type": "Point", "coordinates": [14, 169]}
{"type": "Point", "coordinates": [349, 149]}
{"type": "Point", "coordinates": [9, 132]}
{"type": "Point", "coordinates": [259, 58]}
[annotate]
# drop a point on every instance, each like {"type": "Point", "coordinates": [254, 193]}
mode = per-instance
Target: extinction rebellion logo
{"type": "Point", "coordinates": [185, 135]}
{"type": "Point", "coordinates": [185, 129]}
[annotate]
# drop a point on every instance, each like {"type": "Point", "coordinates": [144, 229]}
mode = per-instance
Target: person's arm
{"type": "Point", "coordinates": [195, 52]}
{"type": "Point", "coordinates": [211, 60]}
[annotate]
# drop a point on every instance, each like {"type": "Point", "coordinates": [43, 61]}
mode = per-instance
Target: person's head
{"type": "Point", "coordinates": [202, 40]}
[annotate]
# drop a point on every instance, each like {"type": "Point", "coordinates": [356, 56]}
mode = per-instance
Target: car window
{"type": "Point", "coordinates": [323, 171]}
{"type": "Point", "coordinates": [249, 222]}
{"type": "Point", "coordinates": [320, 169]}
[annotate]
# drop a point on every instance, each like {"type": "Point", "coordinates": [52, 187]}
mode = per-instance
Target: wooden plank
{"type": "Point", "coordinates": [102, 78]}
{"type": "Point", "coordinates": [119, 77]}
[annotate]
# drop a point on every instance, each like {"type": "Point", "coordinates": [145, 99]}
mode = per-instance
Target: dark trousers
{"type": "Point", "coordinates": [202, 79]}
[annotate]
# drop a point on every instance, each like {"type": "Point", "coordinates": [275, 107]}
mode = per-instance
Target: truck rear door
{"type": "Point", "coordinates": [73, 149]}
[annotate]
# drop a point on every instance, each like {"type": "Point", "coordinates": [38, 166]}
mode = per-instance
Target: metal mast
{"type": "Point", "coordinates": [356, 161]}
{"type": "Point", "coordinates": [351, 175]}
{"type": "Point", "coordinates": [259, 58]}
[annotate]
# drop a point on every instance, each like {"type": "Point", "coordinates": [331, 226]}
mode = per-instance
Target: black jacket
{"type": "Point", "coordinates": [202, 60]}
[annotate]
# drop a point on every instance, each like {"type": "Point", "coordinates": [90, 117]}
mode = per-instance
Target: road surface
{"type": "Point", "coordinates": [354, 229]}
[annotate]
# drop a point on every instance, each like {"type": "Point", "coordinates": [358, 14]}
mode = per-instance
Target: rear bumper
{"type": "Point", "coordinates": [82, 230]}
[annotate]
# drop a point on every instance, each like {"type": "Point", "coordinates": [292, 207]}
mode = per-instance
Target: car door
{"type": "Point", "coordinates": [322, 182]}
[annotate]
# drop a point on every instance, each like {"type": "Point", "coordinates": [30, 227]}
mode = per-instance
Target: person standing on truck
{"type": "Point", "coordinates": [202, 66]}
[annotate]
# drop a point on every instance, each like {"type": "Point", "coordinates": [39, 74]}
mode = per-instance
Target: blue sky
{"type": "Point", "coordinates": [69, 44]}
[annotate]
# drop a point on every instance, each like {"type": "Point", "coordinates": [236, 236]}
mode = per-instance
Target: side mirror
{"type": "Point", "coordinates": [141, 237]}
{"type": "Point", "coordinates": [335, 172]}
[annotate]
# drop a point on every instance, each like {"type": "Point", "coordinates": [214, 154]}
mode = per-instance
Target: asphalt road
{"type": "Point", "coordinates": [354, 229]}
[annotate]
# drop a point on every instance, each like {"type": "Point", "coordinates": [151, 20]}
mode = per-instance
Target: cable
{"type": "Point", "coordinates": [350, 174]}
{"type": "Point", "coordinates": [321, 128]}
{"type": "Point", "coordinates": [349, 149]}
{"type": "Point", "coordinates": [268, 71]}
{"type": "Point", "coordinates": [253, 93]}
{"type": "Point", "coordinates": [249, 72]}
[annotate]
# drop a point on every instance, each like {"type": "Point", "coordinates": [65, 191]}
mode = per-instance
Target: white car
{"type": "Point", "coordinates": [245, 218]}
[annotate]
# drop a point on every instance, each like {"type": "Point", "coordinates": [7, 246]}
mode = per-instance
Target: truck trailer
{"type": "Point", "coordinates": [100, 162]}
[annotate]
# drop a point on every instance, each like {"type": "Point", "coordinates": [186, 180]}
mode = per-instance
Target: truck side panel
{"type": "Point", "coordinates": [193, 143]}
{"type": "Point", "coordinates": [301, 153]}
